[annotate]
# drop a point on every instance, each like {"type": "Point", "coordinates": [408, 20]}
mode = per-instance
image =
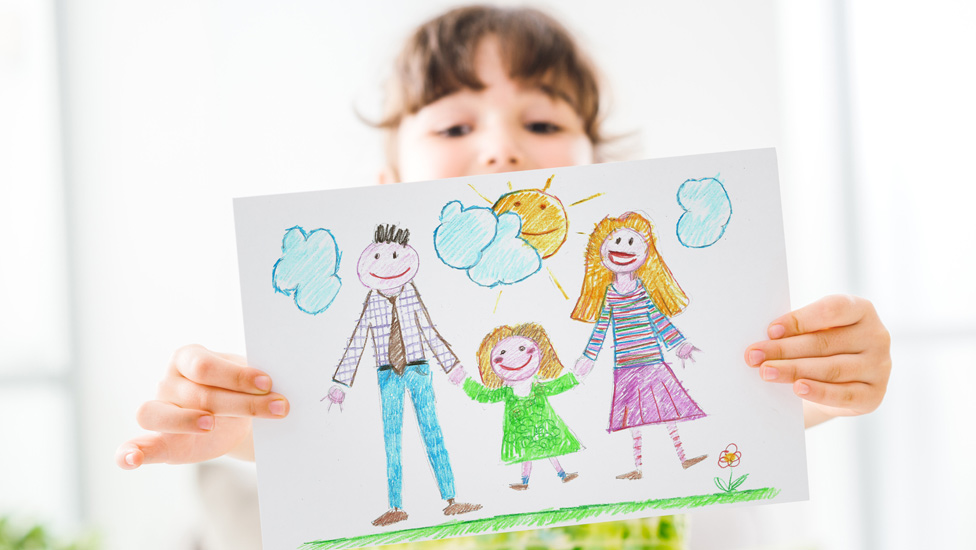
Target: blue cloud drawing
{"type": "Point", "coordinates": [487, 246]}
{"type": "Point", "coordinates": [307, 269]}
{"type": "Point", "coordinates": [708, 211]}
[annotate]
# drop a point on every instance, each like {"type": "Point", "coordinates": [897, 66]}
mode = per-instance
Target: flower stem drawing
{"type": "Point", "coordinates": [729, 458]}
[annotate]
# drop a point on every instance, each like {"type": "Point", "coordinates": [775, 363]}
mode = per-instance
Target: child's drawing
{"type": "Point", "coordinates": [513, 362]}
{"type": "Point", "coordinates": [627, 286]}
{"type": "Point", "coordinates": [729, 458]}
{"type": "Point", "coordinates": [398, 323]}
{"type": "Point", "coordinates": [707, 212]}
{"type": "Point", "coordinates": [307, 269]}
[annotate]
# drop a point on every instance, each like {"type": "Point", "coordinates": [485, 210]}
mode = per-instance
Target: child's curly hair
{"type": "Point", "coordinates": [549, 367]}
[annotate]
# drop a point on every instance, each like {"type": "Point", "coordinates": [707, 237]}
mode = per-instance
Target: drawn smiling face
{"type": "Point", "coordinates": [544, 223]}
{"type": "Point", "coordinates": [624, 251]}
{"type": "Point", "coordinates": [387, 266]}
{"type": "Point", "coordinates": [515, 358]}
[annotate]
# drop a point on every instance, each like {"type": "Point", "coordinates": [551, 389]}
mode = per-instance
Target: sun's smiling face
{"type": "Point", "coordinates": [515, 359]}
{"type": "Point", "coordinates": [544, 222]}
{"type": "Point", "coordinates": [624, 251]}
{"type": "Point", "coordinates": [387, 266]}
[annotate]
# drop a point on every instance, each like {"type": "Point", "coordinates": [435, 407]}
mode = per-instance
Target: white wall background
{"type": "Point", "coordinates": [171, 109]}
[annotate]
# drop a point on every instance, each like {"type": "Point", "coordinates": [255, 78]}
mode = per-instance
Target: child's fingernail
{"type": "Point", "coordinates": [130, 459]}
{"type": "Point", "coordinates": [277, 407]}
{"type": "Point", "coordinates": [262, 383]}
{"type": "Point", "coordinates": [756, 357]}
{"type": "Point", "coordinates": [776, 331]}
{"type": "Point", "coordinates": [770, 373]}
{"type": "Point", "coordinates": [801, 388]}
{"type": "Point", "coordinates": [205, 422]}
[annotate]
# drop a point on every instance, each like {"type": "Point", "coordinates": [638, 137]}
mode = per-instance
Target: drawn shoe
{"type": "Point", "coordinates": [455, 508]}
{"type": "Point", "coordinates": [636, 474]}
{"type": "Point", "coordinates": [393, 515]}
{"type": "Point", "coordinates": [570, 477]}
{"type": "Point", "coordinates": [692, 461]}
{"type": "Point", "coordinates": [518, 486]}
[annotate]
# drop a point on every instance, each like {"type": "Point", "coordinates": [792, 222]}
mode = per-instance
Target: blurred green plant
{"type": "Point", "coordinates": [14, 536]}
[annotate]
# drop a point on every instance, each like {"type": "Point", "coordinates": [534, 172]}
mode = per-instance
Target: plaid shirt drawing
{"type": "Point", "coordinates": [415, 325]}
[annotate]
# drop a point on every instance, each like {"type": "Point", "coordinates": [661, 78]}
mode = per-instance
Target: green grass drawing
{"type": "Point", "coordinates": [539, 519]}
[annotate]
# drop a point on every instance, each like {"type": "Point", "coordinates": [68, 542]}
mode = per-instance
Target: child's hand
{"type": "Point", "coordinates": [203, 410]}
{"type": "Point", "coordinates": [685, 353]}
{"type": "Point", "coordinates": [583, 366]}
{"type": "Point", "coordinates": [335, 396]}
{"type": "Point", "coordinates": [457, 374]}
{"type": "Point", "coordinates": [834, 351]}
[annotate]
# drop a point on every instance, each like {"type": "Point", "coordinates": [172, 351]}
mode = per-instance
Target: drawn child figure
{"type": "Point", "coordinates": [513, 361]}
{"type": "Point", "coordinates": [627, 286]}
{"type": "Point", "coordinates": [396, 320]}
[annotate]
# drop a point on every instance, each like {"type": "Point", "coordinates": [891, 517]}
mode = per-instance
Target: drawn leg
{"type": "Point", "coordinates": [638, 459]}
{"type": "Point", "coordinates": [676, 439]}
{"type": "Point", "coordinates": [562, 473]}
{"type": "Point", "coordinates": [418, 379]}
{"type": "Point", "coordinates": [526, 472]}
{"type": "Point", "coordinates": [391, 398]}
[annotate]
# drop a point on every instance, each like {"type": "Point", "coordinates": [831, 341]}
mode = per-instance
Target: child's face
{"type": "Point", "coordinates": [515, 358]}
{"type": "Point", "coordinates": [624, 251]}
{"type": "Point", "coordinates": [502, 128]}
{"type": "Point", "coordinates": [387, 266]}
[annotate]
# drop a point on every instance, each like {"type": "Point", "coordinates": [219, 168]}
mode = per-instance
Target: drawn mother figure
{"type": "Point", "coordinates": [628, 288]}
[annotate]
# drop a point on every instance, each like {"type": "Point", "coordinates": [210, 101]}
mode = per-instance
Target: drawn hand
{"type": "Point", "coordinates": [685, 351]}
{"type": "Point", "coordinates": [335, 396]}
{"type": "Point", "coordinates": [457, 374]}
{"type": "Point", "coordinates": [203, 409]}
{"type": "Point", "coordinates": [583, 366]}
{"type": "Point", "coordinates": [835, 352]}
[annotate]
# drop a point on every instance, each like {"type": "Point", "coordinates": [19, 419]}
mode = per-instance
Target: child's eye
{"type": "Point", "coordinates": [618, 240]}
{"type": "Point", "coordinates": [631, 241]}
{"type": "Point", "coordinates": [458, 130]}
{"type": "Point", "coordinates": [377, 256]}
{"type": "Point", "coordinates": [502, 352]}
{"type": "Point", "coordinates": [542, 128]}
{"type": "Point", "coordinates": [394, 254]}
{"type": "Point", "coordinates": [521, 348]}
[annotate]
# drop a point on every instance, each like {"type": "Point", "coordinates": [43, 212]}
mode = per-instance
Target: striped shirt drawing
{"type": "Point", "coordinates": [639, 328]}
{"type": "Point", "coordinates": [415, 326]}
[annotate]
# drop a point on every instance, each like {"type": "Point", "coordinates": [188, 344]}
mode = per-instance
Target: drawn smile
{"type": "Point", "coordinates": [540, 233]}
{"type": "Point", "coordinates": [516, 368]}
{"type": "Point", "coordinates": [391, 277]}
{"type": "Point", "coordinates": [622, 258]}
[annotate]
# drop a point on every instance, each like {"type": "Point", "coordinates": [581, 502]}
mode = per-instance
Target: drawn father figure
{"type": "Point", "coordinates": [398, 323]}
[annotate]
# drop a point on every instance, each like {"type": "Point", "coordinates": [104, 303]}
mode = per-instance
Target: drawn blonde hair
{"type": "Point", "coordinates": [663, 289]}
{"type": "Point", "coordinates": [549, 366]}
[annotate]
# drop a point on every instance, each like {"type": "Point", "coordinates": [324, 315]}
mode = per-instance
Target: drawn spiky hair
{"type": "Point", "coordinates": [390, 234]}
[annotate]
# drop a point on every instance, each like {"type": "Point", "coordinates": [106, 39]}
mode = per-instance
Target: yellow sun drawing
{"type": "Point", "coordinates": [544, 221]}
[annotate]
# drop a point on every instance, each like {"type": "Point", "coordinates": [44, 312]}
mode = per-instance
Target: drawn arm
{"type": "Point", "coordinates": [599, 332]}
{"type": "Point", "coordinates": [441, 349]}
{"type": "Point", "coordinates": [664, 330]}
{"type": "Point", "coordinates": [559, 385]}
{"type": "Point", "coordinates": [482, 394]}
{"type": "Point", "coordinates": [346, 372]}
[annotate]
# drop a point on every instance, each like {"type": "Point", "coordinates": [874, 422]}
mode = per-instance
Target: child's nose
{"type": "Point", "coordinates": [500, 152]}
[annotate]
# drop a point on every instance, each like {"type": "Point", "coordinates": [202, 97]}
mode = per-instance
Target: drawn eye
{"type": "Point", "coordinates": [521, 348]}
{"type": "Point", "coordinates": [394, 254]}
{"type": "Point", "coordinates": [517, 204]}
{"type": "Point", "coordinates": [542, 207]}
{"type": "Point", "coordinates": [502, 352]}
{"type": "Point", "coordinates": [631, 241]}
{"type": "Point", "coordinates": [618, 242]}
{"type": "Point", "coordinates": [377, 256]}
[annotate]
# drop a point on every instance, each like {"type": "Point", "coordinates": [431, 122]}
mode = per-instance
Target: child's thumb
{"type": "Point", "coordinates": [145, 449]}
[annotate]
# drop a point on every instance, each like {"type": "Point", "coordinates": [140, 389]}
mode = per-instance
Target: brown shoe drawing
{"type": "Point", "coordinates": [636, 474]}
{"type": "Point", "coordinates": [570, 477]}
{"type": "Point", "coordinates": [692, 461]}
{"type": "Point", "coordinates": [393, 515]}
{"type": "Point", "coordinates": [518, 486]}
{"type": "Point", "coordinates": [455, 508]}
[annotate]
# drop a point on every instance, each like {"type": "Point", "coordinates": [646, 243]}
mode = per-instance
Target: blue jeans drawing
{"type": "Point", "coordinates": [417, 380]}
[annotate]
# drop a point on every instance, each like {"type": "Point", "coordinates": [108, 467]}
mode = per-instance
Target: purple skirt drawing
{"type": "Point", "coordinates": [649, 394]}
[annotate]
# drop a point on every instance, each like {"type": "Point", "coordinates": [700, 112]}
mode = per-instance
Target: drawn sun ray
{"type": "Point", "coordinates": [555, 280]}
{"type": "Point", "coordinates": [581, 201]}
{"type": "Point", "coordinates": [498, 299]}
{"type": "Point", "coordinates": [479, 194]}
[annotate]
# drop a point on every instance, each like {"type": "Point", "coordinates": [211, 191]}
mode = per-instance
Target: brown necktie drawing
{"type": "Point", "coordinates": [398, 354]}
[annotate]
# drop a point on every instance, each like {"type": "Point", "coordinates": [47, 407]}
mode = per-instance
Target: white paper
{"type": "Point", "coordinates": [322, 471]}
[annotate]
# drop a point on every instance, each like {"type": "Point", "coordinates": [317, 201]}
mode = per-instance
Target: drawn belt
{"type": "Point", "coordinates": [410, 364]}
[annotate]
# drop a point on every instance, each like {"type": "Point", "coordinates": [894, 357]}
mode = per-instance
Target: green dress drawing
{"type": "Point", "coordinates": [532, 430]}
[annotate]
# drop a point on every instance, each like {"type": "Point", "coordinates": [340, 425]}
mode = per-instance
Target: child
{"type": "Point", "coordinates": [628, 286]}
{"type": "Point", "coordinates": [511, 361]}
{"type": "Point", "coordinates": [483, 90]}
